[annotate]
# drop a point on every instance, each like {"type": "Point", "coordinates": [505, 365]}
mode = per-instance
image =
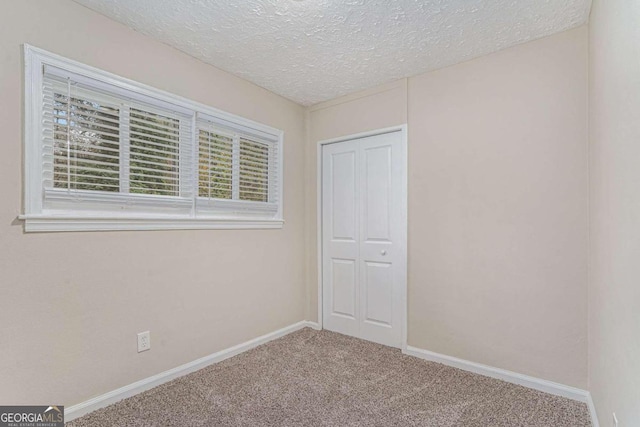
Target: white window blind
{"type": "Point", "coordinates": [254, 171]}
{"type": "Point", "coordinates": [238, 169]}
{"type": "Point", "coordinates": [105, 153]}
{"type": "Point", "coordinates": [215, 171]}
{"type": "Point", "coordinates": [81, 139]}
{"type": "Point", "coordinates": [127, 156]}
{"type": "Point", "coordinates": [154, 153]}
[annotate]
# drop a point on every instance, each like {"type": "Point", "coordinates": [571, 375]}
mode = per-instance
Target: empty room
{"type": "Point", "coordinates": [320, 213]}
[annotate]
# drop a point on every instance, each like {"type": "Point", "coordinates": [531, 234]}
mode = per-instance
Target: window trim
{"type": "Point", "coordinates": [37, 220]}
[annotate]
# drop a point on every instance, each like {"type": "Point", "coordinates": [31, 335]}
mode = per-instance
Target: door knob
{"type": "Point", "coordinates": [383, 252]}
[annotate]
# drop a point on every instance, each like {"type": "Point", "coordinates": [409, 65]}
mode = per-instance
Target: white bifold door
{"type": "Point", "coordinates": [364, 238]}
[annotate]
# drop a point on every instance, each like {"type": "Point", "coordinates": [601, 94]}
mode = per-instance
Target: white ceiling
{"type": "Point", "coordinates": [314, 50]}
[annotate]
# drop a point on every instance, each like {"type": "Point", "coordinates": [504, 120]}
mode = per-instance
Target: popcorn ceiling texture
{"type": "Point", "coordinates": [315, 50]}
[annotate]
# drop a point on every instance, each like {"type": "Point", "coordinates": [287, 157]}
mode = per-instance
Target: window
{"type": "Point", "coordinates": [106, 153]}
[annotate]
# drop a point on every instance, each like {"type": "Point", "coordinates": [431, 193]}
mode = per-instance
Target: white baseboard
{"type": "Point", "coordinates": [502, 374]}
{"type": "Point", "coordinates": [313, 325]}
{"type": "Point", "coordinates": [509, 376]}
{"type": "Point", "coordinates": [592, 411]}
{"type": "Point", "coordinates": [76, 411]}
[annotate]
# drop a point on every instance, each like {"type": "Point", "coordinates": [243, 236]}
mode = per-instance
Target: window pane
{"type": "Point", "coordinates": [254, 171]}
{"type": "Point", "coordinates": [155, 150]}
{"type": "Point", "coordinates": [215, 165]}
{"type": "Point", "coordinates": [86, 144]}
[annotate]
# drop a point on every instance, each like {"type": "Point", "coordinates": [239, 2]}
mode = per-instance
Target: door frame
{"type": "Point", "coordinates": [403, 215]}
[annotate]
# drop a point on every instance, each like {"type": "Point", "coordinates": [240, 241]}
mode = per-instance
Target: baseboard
{"type": "Point", "coordinates": [501, 374]}
{"type": "Point", "coordinates": [509, 376]}
{"type": "Point", "coordinates": [76, 411]}
{"type": "Point", "coordinates": [592, 411]}
{"type": "Point", "coordinates": [312, 325]}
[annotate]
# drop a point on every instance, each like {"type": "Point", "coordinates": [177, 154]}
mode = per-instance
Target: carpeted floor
{"type": "Point", "coordinates": [320, 378]}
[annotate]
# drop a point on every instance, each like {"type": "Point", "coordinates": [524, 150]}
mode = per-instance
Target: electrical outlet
{"type": "Point", "coordinates": [144, 341]}
{"type": "Point", "coordinates": [615, 420]}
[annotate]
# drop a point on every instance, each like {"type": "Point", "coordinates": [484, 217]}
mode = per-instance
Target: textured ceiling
{"type": "Point", "coordinates": [314, 50]}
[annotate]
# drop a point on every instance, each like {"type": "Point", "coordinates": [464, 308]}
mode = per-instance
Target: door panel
{"type": "Point", "coordinates": [344, 196]}
{"type": "Point", "coordinates": [377, 191]}
{"type": "Point", "coordinates": [363, 233]}
{"type": "Point", "coordinates": [343, 286]}
{"type": "Point", "coordinates": [378, 292]}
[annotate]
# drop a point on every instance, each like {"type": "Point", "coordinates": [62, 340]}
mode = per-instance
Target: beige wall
{"type": "Point", "coordinates": [498, 209]}
{"type": "Point", "coordinates": [614, 288]}
{"type": "Point", "coordinates": [72, 303]}
{"type": "Point", "coordinates": [497, 204]}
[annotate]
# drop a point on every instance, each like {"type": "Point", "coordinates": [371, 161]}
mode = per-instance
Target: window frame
{"type": "Point", "coordinates": [227, 214]}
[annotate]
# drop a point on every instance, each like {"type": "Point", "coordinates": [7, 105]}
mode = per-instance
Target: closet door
{"type": "Point", "coordinates": [363, 238]}
{"type": "Point", "coordinates": [341, 234]}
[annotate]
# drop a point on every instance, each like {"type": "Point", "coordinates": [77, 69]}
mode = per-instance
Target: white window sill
{"type": "Point", "coordinates": [53, 223]}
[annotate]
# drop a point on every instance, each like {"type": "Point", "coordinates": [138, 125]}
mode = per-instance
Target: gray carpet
{"type": "Point", "coordinates": [320, 378]}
